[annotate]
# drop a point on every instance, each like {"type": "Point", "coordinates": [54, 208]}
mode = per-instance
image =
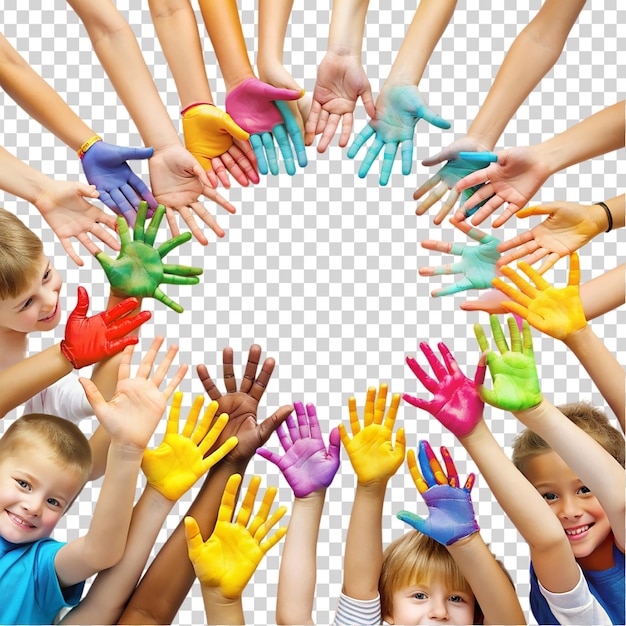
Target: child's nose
{"type": "Point", "coordinates": [438, 609]}
{"type": "Point", "coordinates": [570, 508]}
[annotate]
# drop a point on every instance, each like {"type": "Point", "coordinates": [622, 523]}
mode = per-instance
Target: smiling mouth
{"type": "Point", "coordinates": [20, 521]}
{"type": "Point", "coordinates": [574, 533]}
{"type": "Point", "coordinates": [47, 319]}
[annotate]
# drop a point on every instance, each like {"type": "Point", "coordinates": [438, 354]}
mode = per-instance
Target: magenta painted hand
{"type": "Point", "coordinates": [306, 464]}
{"type": "Point", "coordinates": [456, 402]}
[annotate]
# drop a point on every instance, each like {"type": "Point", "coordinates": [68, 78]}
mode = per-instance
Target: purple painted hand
{"type": "Point", "coordinates": [456, 402]}
{"type": "Point", "coordinates": [306, 464]}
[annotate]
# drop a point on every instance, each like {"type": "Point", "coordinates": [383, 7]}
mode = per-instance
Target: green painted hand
{"type": "Point", "coordinates": [514, 373]}
{"type": "Point", "coordinates": [139, 269]}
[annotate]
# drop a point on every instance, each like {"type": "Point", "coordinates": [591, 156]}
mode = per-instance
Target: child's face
{"type": "Point", "coordinates": [431, 604]}
{"type": "Point", "coordinates": [37, 308]}
{"type": "Point", "coordinates": [584, 520]}
{"type": "Point", "coordinates": [35, 492]}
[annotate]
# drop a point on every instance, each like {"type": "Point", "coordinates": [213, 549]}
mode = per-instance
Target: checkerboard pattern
{"type": "Point", "coordinates": [321, 269]}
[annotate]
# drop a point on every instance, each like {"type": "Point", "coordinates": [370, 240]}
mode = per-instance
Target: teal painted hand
{"type": "Point", "coordinates": [139, 270]}
{"type": "Point", "coordinates": [514, 372]}
{"type": "Point", "coordinates": [477, 264]}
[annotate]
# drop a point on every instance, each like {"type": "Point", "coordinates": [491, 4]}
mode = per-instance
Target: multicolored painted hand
{"type": "Point", "coordinates": [443, 181]}
{"type": "Point", "coordinates": [556, 312]}
{"type": "Point", "coordinates": [260, 109]}
{"type": "Point", "coordinates": [456, 402]}
{"type": "Point", "coordinates": [91, 339]}
{"type": "Point", "coordinates": [477, 264]}
{"type": "Point", "coordinates": [229, 557]}
{"type": "Point", "coordinates": [182, 458]}
{"type": "Point", "coordinates": [372, 452]}
{"type": "Point", "coordinates": [451, 515]}
{"type": "Point", "coordinates": [306, 464]}
{"type": "Point", "coordinates": [514, 373]}
{"type": "Point", "coordinates": [397, 112]}
{"type": "Point", "coordinates": [106, 167]}
{"type": "Point", "coordinates": [139, 269]}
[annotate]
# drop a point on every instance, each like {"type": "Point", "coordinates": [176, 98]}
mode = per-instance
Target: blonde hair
{"type": "Point", "coordinates": [588, 418]}
{"type": "Point", "coordinates": [20, 251]}
{"type": "Point", "coordinates": [415, 558]}
{"type": "Point", "coordinates": [61, 440]}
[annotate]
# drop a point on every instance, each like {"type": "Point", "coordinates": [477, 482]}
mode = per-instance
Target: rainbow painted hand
{"type": "Point", "coordinates": [306, 464]}
{"type": "Point", "coordinates": [456, 402]}
{"type": "Point", "coordinates": [451, 515]}
{"type": "Point", "coordinates": [556, 312]}
{"type": "Point", "coordinates": [372, 452]}
{"type": "Point", "coordinates": [514, 373]}
{"type": "Point", "coordinates": [179, 461]}
{"type": "Point", "coordinates": [229, 557]}
{"type": "Point", "coordinates": [139, 269]}
{"type": "Point", "coordinates": [397, 112]}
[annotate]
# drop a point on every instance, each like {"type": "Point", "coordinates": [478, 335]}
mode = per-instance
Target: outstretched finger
{"type": "Point", "coordinates": [450, 201]}
{"type": "Point", "coordinates": [416, 475]}
{"type": "Point", "coordinates": [428, 382]}
{"type": "Point", "coordinates": [207, 382]}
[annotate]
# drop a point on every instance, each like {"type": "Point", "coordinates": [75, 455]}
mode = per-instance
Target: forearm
{"type": "Point", "coordinates": [99, 444]}
{"type": "Point", "coordinates": [20, 179]}
{"type": "Point", "coordinates": [221, 610]}
{"type": "Point", "coordinates": [600, 133]}
{"type": "Point", "coordinates": [364, 544]}
{"type": "Point", "coordinates": [298, 564]}
{"type": "Point", "coordinates": [177, 30]}
{"type": "Point", "coordinates": [30, 376]}
{"type": "Point", "coordinates": [347, 26]}
{"type": "Point", "coordinates": [33, 94]}
{"type": "Point", "coordinates": [273, 20]}
{"type": "Point", "coordinates": [427, 26]}
{"type": "Point", "coordinates": [118, 51]}
{"type": "Point", "coordinates": [533, 53]}
{"type": "Point", "coordinates": [602, 367]}
{"type": "Point", "coordinates": [111, 588]}
{"type": "Point", "coordinates": [492, 588]}
{"type": "Point", "coordinates": [604, 293]}
{"type": "Point", "coordinates": [222, 22]}
{"type": "Point", "coordinates": [167, 581]}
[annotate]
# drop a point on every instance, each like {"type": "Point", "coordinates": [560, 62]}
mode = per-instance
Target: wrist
{"type": "Point", "coordinates": [574, 341]}
{"type": "Point", "coordinates": [602, 217]}
{"type": "Point", "coordinates": [124, 452]}
{"type": "Point", "coordinates": [193, 105]}
{"type": "Point", "coordinates": [87, 145]}
{"type": "Point", "coordinates": [533, 414]}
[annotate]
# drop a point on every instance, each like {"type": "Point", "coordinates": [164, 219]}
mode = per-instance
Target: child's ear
{"type": "Point", "coordinates": [388, 619]}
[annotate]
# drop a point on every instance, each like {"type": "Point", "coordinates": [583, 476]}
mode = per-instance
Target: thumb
{"type": "Point", "coordinates": [545, 209]}
{"type": "Point", "coordinates": [413, 520]}
{"type": "Point", "coordinates": [94, 397]}
{"type": "Point", "coordinates": [278, 93]}
{"type": "Point", "coordinates": [430, 116]}
{"type": "Point", "coordinates": [233, 129]}
{"type": "Point", "coordinates": [135, 154]}
{"type": "Point", "coordinates": [82, 306]}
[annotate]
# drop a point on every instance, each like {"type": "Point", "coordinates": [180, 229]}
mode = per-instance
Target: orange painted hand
{"type": "Point", "coordinates": [556, 312]}
{"type": "Point", "coordinates": [175, 466]}
{"type": "Point", "coordinates": [372, 452]}
{"type": "Point", "coordinates": [229, 557]}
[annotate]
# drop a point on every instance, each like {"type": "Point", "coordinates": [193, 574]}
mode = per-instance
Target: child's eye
{"type": "Point", "coordinates": [53, 502]}
{"type": "Point", "coordinates": [22, 483]}
{"type": "Point", "coordinates": [420, 595]}
{"type": "Point", "coordinates": [550, 497]}
{"type": "Point", "coordinates": [584, 490]}
{"type": "Point", "coordinates": [456, 599]}
{"type": "Point", "coordinates": [26, 304]}
{"type": "Point", "coordinates": [47, 274]}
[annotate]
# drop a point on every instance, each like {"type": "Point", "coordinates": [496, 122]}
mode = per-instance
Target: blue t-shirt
{"type": "Point", "coordinates": [29, 586]}
{"type": "Point", "coordinates": [606, 585]}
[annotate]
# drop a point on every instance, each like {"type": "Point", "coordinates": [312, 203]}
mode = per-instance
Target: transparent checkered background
{"type": "Point", "coordinates": [320, 268]}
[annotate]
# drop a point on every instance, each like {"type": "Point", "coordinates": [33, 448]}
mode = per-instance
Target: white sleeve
{"type": "Point", "coordinates": [65, 398]}
{"type": "Point", "coordinates": [578, 606]}
{"type": "Point", "coordinates": [351, 612]}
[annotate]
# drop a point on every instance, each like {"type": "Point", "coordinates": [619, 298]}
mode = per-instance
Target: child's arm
{"type": "Point", "coordinates": [159, 593]}
{"type": "Point", "coordinates": [171, 469]}
{"type": "Point", "coordinates": [375, 459]}
{"type": "Point", "coordinates": [226, 561]}
{"type": "Point", "coordinates": [130, 419]}
{"type": "Point", "coordinates": [458, 406]}
{"type": "Point", "coordinates": [309, 470]}
{"type": "Point", "coordinates": [559, 313]}
{"type": "Point", "coordinates": [452, 522]}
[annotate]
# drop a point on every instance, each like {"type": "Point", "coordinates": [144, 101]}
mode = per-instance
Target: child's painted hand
{"type": "Point", "coordinates": [371, 449]}
{"type": "Point", "coordinates": [134, 411]}
{"type": "Point", "coordinates": [260, 109]}
{"type": "Point", "coordinates": [444, 180]}
{"type": "Point", "coordinates": [106, 167]}
{"type": "Point", "coordinates": [306, 464]}
{"type": "Point", "coordinates": [451, 515]}
{"type": "Point", "coordinates": [556, 312]}
{"type": "Point", "coordinates": [229, 557]}
{"type": "Point", "coordinates": [181, 458]}
{"type": "Point", "coordinates": [514, 373]}
{"type": "Point", "coordinates": [397, 112]}
{"type": "Point", "coordinates": [209, 133]}
{"type": "Point", "coordinates": [456, 402]}
{"type": "Point", "coordinates": [477, 264]}
{"type": "Point", "coordinates": [139, 269]}
{"type": "Point", "coordinates": [91, 339]}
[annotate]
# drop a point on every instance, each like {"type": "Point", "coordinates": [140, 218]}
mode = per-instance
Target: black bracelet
{"type": "Point", "coordinates": [608, 215]}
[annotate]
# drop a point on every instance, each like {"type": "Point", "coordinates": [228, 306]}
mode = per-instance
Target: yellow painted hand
{"type": "Point", "coordinates": [179, 461]}
{"type": "Point", "coordinates": [371, 450]}
{"type": "Point", "coordinates": [229, 557]}
{"type": "Point", "coordinates": [556, 312]}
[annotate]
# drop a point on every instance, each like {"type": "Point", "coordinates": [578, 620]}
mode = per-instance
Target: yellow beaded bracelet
{"type": "Point", "coordinates": [87, 145]}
